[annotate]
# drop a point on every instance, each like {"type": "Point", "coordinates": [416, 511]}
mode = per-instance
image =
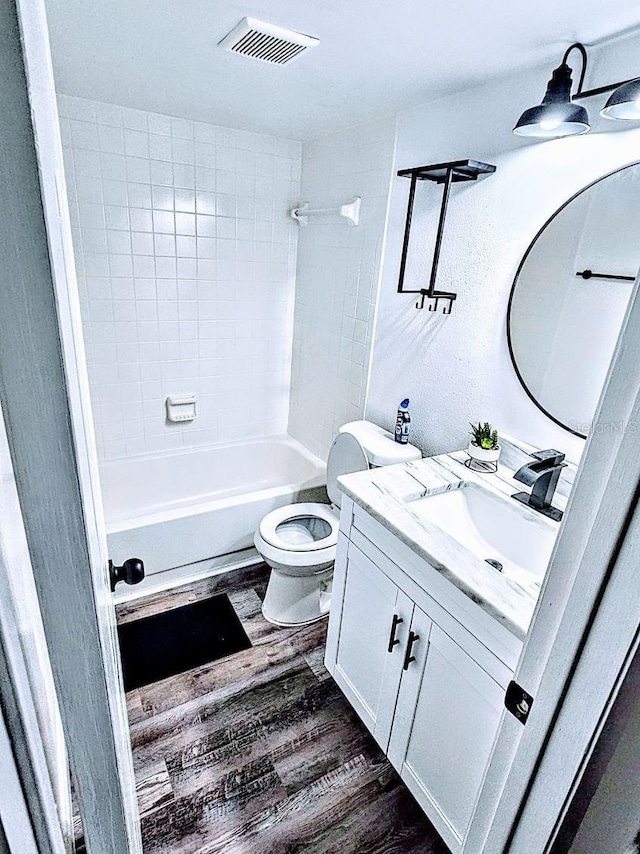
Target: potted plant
{"type": "Point", "coordinates": [484, 446]}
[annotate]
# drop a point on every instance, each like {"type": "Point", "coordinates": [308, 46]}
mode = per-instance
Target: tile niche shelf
{"type": "Point", "coordinates": [446, 174]}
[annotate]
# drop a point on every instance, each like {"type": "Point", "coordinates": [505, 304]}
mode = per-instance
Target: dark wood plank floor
{"type": "Point", "coordinates": [260, 752]}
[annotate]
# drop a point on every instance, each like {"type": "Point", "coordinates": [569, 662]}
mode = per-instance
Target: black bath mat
{"type": "Point", "coordinates": [165, 644]}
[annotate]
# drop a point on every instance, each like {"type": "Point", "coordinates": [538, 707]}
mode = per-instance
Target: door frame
{"type": "Point", "coordinates": [31, 728]}
{"type": "Point", "coordinates": [45, 392]}
{"type": "Point", "coordinates": [576, 602]}
{"type": "Point", "coordinates": [16, 830]}
{"type": "Point", "coordinates": [585, 629]}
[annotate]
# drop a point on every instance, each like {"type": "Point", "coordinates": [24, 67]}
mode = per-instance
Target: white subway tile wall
{"type": "Point", "coordinates": [337, 280]}
{"type": "Point", "coordinates": [186, 261]}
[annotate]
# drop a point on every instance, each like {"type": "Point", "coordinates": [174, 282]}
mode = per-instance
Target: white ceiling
{"type": "Point", "coordinates": [374, 56]}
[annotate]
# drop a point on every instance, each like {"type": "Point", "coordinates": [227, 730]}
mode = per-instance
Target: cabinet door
{"type": "Point", "coordinates": [374, 625]}
{"type": "Point", "coordinates": [448, 713]}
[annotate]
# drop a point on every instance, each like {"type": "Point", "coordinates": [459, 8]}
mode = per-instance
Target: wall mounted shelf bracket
{"type": "Point", "coordinates": [446, 174]}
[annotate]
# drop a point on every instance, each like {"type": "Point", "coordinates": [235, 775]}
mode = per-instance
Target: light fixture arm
{"type": "Point", "coordinates": [583, 54]}
{"type": "Point", "coordinates": [588, 93]}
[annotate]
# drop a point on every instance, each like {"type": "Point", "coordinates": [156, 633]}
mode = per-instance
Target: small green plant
{"type": "Point", "coordinates": [484, 436]}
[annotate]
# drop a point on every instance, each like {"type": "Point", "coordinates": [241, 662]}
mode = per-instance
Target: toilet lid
{"type": "Point", "coordinates": [345, 457]}
{"type": "Point", "coordinates": [302, 527]}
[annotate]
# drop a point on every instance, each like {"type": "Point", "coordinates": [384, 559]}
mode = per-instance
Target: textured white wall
{"type": "Point", "coordinates": [337, 280]}
{"type": "Point", "coordinates": [186, 265]}
{"type": "Point", "coordinates": [457, 369]}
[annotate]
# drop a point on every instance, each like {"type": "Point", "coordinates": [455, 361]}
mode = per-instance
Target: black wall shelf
{"type": "Point", "coordinates": [446, 174]}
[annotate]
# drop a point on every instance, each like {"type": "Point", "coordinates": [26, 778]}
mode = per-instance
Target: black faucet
{"type": "Point", "coordinates": [542, 476]}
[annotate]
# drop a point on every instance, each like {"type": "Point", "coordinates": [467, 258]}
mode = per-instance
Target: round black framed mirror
{"type": "Point", "coordinates": [570, 295]}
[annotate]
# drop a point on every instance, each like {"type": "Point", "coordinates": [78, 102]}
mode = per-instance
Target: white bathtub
{"type": "Point", "coordinates": [175, 509]}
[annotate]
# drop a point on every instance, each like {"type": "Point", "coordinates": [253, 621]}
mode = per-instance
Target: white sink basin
{"type": "Point", "coordinates": [493, 530]}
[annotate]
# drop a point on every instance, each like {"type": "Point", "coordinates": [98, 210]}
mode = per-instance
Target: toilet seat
{"type": "Point", "coordinates": [317, 529]}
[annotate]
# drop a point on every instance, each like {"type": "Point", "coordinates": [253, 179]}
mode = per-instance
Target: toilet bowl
{"type": "Point", "coordinates": [299, 541]}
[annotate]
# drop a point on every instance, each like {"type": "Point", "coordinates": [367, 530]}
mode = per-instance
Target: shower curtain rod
{"type": "Point", "coordinates": [350, 211]}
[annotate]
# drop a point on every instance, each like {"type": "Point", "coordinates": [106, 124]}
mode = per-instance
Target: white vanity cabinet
{"type": "Point", "coordinates": [446, 720]}
{"type": "Point", "coordinates": [428, 689]}
{"type": "Point", "coordinates": [374, 627]}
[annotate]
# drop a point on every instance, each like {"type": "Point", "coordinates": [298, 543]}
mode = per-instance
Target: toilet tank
{"type": "Point", "coordinates": [379, 445]}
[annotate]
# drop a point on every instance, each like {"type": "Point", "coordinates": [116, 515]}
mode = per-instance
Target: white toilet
{"type": "Point", "coordinates": [299, 541]}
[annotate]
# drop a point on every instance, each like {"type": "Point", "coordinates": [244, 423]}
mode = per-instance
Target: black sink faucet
{"type": "Point", "coordinates": [542, 476]}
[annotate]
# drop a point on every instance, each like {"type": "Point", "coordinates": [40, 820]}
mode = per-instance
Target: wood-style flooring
{"type": "Point", "coordinates": [260, 752]}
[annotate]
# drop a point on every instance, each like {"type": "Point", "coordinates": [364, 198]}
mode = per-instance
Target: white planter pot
{"type": "Point", "coordinates": [484, 455]}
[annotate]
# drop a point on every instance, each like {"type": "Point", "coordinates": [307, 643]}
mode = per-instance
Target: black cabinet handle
{"type": "Point", "coordinates": [131, 572]}
{"type": "Point", "coordinates": [408, 658]}
{"type": "Point", "coordinates": [393, 640]}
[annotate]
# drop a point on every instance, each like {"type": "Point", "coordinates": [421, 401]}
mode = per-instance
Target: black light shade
{"type": "Point", "coordinates": [624, 102]}
{"type": "Point", "coordinates": [557, 115]}
{"type": "Point", "coordinates": [553, 120]}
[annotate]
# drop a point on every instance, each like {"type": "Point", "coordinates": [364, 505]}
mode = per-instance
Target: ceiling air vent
{"type": "Point", "coordinates": [266, 42]}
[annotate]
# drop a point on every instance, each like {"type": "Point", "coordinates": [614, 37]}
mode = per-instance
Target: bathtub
{"type": "Point", "coordinates": [180, 508]}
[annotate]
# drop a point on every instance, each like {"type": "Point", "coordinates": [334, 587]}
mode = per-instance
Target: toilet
{"type": "Point", "coordinates": [299, 541]}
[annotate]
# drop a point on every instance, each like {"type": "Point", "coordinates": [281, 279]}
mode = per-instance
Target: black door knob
{"type": "Point", "coordinates": [131, 572]}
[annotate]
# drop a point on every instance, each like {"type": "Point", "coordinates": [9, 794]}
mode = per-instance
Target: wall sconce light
{"type": "Point", "coordinates": [559, 115]}
{"type": "Point", "coordinates": [624, 103]}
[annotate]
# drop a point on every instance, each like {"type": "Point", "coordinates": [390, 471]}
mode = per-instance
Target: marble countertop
{"type": "Point", "coordinates": [386, 494]}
